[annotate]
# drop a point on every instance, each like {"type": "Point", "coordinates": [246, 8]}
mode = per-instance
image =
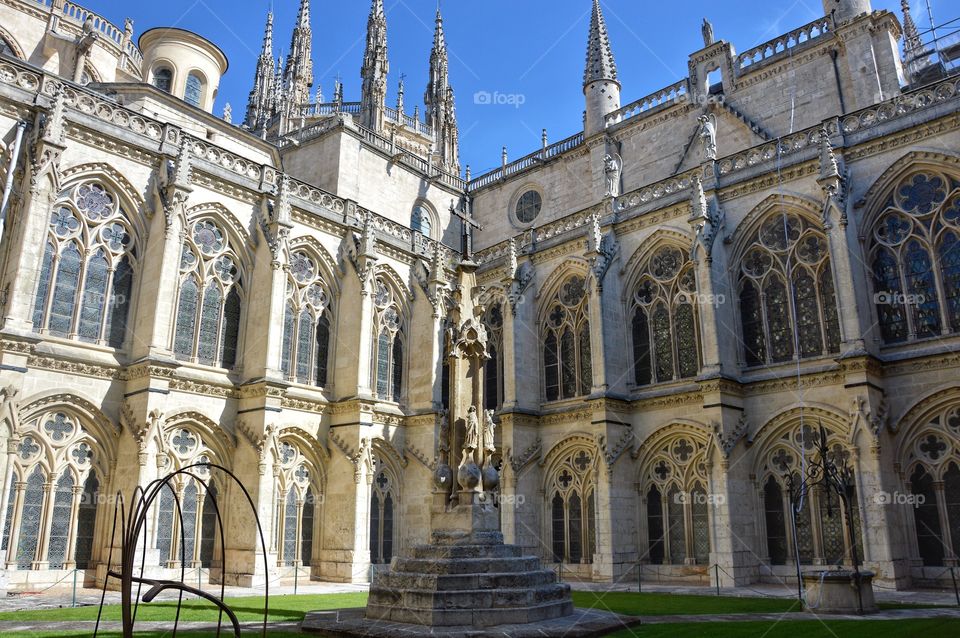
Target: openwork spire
{"type": "Point", "coordinates": [439, 99]}
{"type": "Point", "coordinates": [600, 62]}
{"type": "Point", "coordinates": [376, 66]}
{"type": "Point", "coordinates": [260, 106]}
{"type": "Point", "coordinates": [298, 72]}
{"type": "Point", "coordinates": [911, 36]}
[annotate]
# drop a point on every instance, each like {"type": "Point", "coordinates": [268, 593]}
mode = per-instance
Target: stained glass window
{"type": "Point", "coordinates": [388, 528]}
{"type": "Point", "coordinates": [804, 531]}
{"type": "Point", "coordinates": [397, 362]}
{"type": "Point", "coordinates": [926, 516]}
{"type": "Point", "coordinates": [209, 309]}
{"type": "Point", "coordinates": [208, 527]}
{"type": "Point", "coordinates": [528, 207]}
{"type": "Point", "coordinates": [382, 508]}
{"type": "Point", "coordinates": [119, 306]}
{"type": "Point", "coordinates": [8, 517]}
{"type": "Point", "coordinates": [30, 517]}
{"type": "Point", "coordinates": [375, 556]}
{"type": "Point", "coordinates": [286, 356]}
{"type": "Point", "coordinates": [915, 261]}
{"type": "Point", "coordinates": [189, 507]}
{"type": "Point", "coordinates": [701, 525]}
{"type": "Point", "coordinates": [586, 361]}
{"type": "Point", "coordinates": [642, 370]}
{"type": "Point", "coordinates": [323, 350]}
{"type": "Point", "coordinates": [85, 268]}
{"type": "Point", "coordinates": [567, 358]}
{"type": "Point", "coordinates": [163, 79]}
{"type": "Point", "coordinates": [491, 379]}
{"type": "Point", "coordinates": [86, 521]}
{"type": "Point", "coordinates": [193, 94]}
{"type": "Point", "coordinates": [306, 529]}
{"type": "Point", "coordinates": [493, 369]}
{"type": "Point", "coordinates": [787, 301]}
{"type": "Point", "coordinates": [655, 536]}
{"type": "Point", "coordinates": [677, 528]}
{"type": "Point", "coordinates": [665, 343]}
{"type": "Point", "coordinates": [65, 290]}
{"type": "Point", "coordinates": [290, 516]}
{"type": "Point", "coordinates": [575, 527]}
{"type": "Point", "coordinates": [831, 527]}
{"type": "Point", "coordinates": [303, 347]}
{"type": "Point", "coordinates": [60, 523]}
{"type": "Point", "coordinates": [420, 221]}
{"type": "Point", "coordinates": [383, 364]}
{"type": "Point", "coordinates": [388, 345]}
{"type": "Point", "coordinates": [776, 525]}
{"type": "Point", "coordinates": [559, 528]}
{"type": "Point", "coordinates": [165, 520]}
{"type": "Point", "coordinates": [186, 318]}
{"type": "Point", "coordinates": [951, 493]}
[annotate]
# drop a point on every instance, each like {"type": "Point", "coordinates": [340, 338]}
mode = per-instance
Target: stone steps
{"type": "Point", "coordinates": [454, 582]}
{"type": "Point", "coordinates": [470, 617]}
{"type": "Point", "coordinates": [441, 552]}
{"type": "Point", "coordinates": [464, 566]}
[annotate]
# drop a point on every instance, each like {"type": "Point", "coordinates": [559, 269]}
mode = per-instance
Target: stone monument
{"type": "Point", "coordinates": [467, 578]}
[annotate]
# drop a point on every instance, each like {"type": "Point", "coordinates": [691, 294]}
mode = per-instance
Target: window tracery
{"type": "Point", "coordinates": [383, 508]}
{"type": "Point", "coordinates": [86, 274]}
{"type": "Point", "coordinates": [388, 344]}
{"type": "Point", "coordinates": [913, 250]}
{"type": "Point", "coordinates": [208, 307]}
{"type": "Point", "coordinates": [788, 305]}
{"type": "Point", "coordinates": [306, 323]}
{"type": "Point", "coordinates": [567, 362]}
{"type": "Point", "coordinates": [573, 511]}
{"type": "Point", "coordinates": [493, 368]}
{"type": "Point", "coordinates": [297, 500]}
{"type": "Point", "coordinates": [664, 319]}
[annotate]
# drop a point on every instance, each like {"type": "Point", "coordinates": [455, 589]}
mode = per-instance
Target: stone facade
{"type": "Point", "coordinates": [667, 328]}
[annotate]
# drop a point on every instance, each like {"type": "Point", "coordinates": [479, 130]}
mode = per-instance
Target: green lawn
{"type": "Point", "coordinates": [292, 609]}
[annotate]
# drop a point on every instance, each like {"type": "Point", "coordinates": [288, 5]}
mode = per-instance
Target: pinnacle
{"type": "Point", "coordinates": [600, 62]}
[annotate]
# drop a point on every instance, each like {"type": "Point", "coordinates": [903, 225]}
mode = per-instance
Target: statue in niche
{"type": "Point", "coordinates": [488, 432]}
{"type": "Point", "coordinates": [708, 136]}
{"type": "Point", "coordinates": [471, 441]}
{"type": "Point", "coordinates": [613, 168]}
{"type": "Point", "coordinates": [708, 36]}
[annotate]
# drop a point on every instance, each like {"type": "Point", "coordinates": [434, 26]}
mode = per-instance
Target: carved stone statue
{"type": "Point", "coordinates": [471, 439]}
{"type": "Point", "coordinates": [488, 431]}
{"type": "Point", "coordinates": [612, 168]}
{"type": "Point", "coordinates": [708, 36]}
{"type": "Point", "coordinates": [708, 136]}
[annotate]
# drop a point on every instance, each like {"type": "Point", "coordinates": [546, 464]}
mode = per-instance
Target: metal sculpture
{"type": "Point", "coordinates": [828, 471]}
{"type": "Point", "coordinates": [132, 526]}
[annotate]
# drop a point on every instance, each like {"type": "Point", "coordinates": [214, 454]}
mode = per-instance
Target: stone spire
{"type": "Point", "coordinates": [375, 68]}
{"type": "Point", "coordinates": [298, 71]}
{"type": "Point", "coordinates": [911, 35]}
{"type": "Point", "coordinates": [260, 106]}
{"type": "Point", "coordinates": [600, 83]}
{"type": "Point", "coordinates": [439, 99]}
{"type": "Point", "coordinates": [600, 62]}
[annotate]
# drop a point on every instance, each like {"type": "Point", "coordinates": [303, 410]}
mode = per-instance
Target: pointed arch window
{"type": "Point", "coordinates": [914, 257]}
{"type": "Point", "coordinates": [306, 324]}
{"type": "Point", "coordinates": [788, 305]}
{"type": "Point", "coordinates": [666, 343]}
{"type": "Point", "coordinates": [815, 529]}
{"type": "Point", "coordinates": [573, 509]}
{"type": "Point", "coordinates": [296, 505]}
{"type": "Point", "coordinates": [388, 344]}
{"type": "Point", "coordinates": [493, 367]}
{"type": "Point", "coordinates": [567, 357]}
{"type": "Point", "coordinates": [86, 273]}
{"type": "Point", "coordinates": [421, 221]}
{"type": "Point", "coordinates": [383, 504]}
{"type": "Point", "coordinates": [677, 504]}
{"type": "Point", "coordinates": [209, 304]}
{"type": "Point", "coordinates": [50, 517]}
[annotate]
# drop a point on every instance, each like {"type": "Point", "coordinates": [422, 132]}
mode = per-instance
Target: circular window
{"type": "Point", "coordinates": [529, 206]}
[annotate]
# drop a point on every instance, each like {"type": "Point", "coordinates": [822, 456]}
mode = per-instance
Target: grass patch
{"type": "Point", "coordinates": [915, 628]}
{"type": "Point", "coordinates": [633, 604]}
{"type": "Point", "coordinates": [282, 609]}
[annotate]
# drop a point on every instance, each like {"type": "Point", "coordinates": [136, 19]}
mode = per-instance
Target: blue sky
{"type": "Point", "coordinates": [530, 52]}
